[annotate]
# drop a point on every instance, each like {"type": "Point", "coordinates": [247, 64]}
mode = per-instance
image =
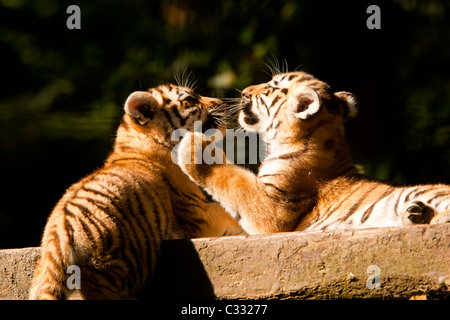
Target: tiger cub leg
{"type": "Point", "coordinates": [235, 188]}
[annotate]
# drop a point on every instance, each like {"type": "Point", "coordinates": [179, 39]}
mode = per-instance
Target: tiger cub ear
{"type": "Point", "coordinates": [305, 102]}
{"type": "Point", "coordinates": [141, 106]}
{"type": "Point", "coordinates": [350, 103]}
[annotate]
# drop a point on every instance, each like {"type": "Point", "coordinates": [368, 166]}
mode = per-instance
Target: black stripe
{"type": "Point", "coordinates": [149, 166]}
{"type": "Point", "coordinates": [367, 213]}
{"type": "Point", "coordinates": [140, 161]}
{"type": "Point", "coordinates": [135, 246]}
{"type": "Point", "coordinates": [98, 193]}
{"type": "Point", "coordinates": [124, 148]}
{"type": "Point", "coordinates": [106, 234]}
{"type": "Point", "coordinates": [267, 184]}
{"type": "Point", "coordinates": [275, 101]}
{"type": "Point", "coordinates": [113, 286]}
{"type": "Point", "coordinates": [122, 219]}
{"type": "Point", "coordinates": [420, 192]}
{"type": "Point", "coordinates": [54, 237]}
{"type": "Point", "coordinates": [86, 230]}
{"type": "Point", "coordinates": [126, 231]}
{"type": "Point", "coordinates": [438, 195]}
{"type": "Point", "coordinates": [315, 83]}
{"type": "Point", "coordinates": [276, 126]}
{"type": "Point", "coordinates": [156, 212]}
{"type": "Point", "coordinates": [191, 196]}
{"type": "Point", "coordinates": [177, 114]}
{"type": "Point", "coordinates": [159, 205]}
{"type": "Point", "coordinates": [57, 266]}
{"type": "Point", "coordinates": [288, 196]}
{"type": "Point", "coordinates": [292, 155]}
{"type": "Point", "coordinates": [356, 205]}
{"type": "Point", "coordinates": [263, 103]}
{"type": "Point", "coordinates": [271, 175]}
{"type": "Point", "coordinates": [409, 194]}
{"type": "Point", "coordinates": [331, 209]}
{"type": "Point", "coordinates": [90, 217]}
{"type": "Point", "coordinates": [279, 108]}
{"type": "Point", "coordinates": [169, 118]}
{"type": "Point", "coordinates": [109, 173]}
{"type": "Point", "coordinates": [69, 231]}
{"type": "Point", "coordinates": [78, 219]}
{"type": "Point", "coordinates": [115, 276]}
{"type": "Point", "coordinates": [190, 223]}
{"type": "Point", "coordinates": [111, 209]}
{"type": "Point", "coordinates": [147, 242]}
{"type": "Point", "coordinates": [398, 201]}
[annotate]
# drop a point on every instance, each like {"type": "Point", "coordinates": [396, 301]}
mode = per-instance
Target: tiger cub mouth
{"type": "Point", "coordinates": [250, 118]}
{"type": "Point", "coordinates": [211, 123]}
{"type": "Point", "coordinates": [216, 117]}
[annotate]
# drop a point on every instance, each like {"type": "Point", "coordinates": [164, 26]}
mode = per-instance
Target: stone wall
{"type": "Point", "coordinates": [385, 263]}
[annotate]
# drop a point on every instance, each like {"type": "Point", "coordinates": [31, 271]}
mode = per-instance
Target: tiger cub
{"type": "Point", "coordinates": [112, 222]}
{"type": "Point", "coordinates": [307, 181]}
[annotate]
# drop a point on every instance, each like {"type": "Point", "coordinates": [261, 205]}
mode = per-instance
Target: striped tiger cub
{"type": "Point", "coordinates": [111, 223]}
{"type": "Point", "coordinates": [307, 181]}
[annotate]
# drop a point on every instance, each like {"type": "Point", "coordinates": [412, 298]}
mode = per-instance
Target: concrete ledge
{"type": "Point", "coordinates": [410, 262]}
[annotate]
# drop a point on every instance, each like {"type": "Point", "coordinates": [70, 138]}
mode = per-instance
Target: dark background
{"type": "Point", "coordinates": [62, 91]}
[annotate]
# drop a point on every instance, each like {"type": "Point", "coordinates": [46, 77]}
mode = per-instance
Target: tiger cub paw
{"type": "Point", "coordinates": [417, 212]}
{"type": "Point", "coordinates": [191, 149]}
{"type": "Point", "coordinates": [190, 156]}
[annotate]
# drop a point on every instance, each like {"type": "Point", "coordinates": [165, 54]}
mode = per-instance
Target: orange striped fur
{"type": "Point", "coordinates": [307, 181]}
{"type": "Point", "coordinates": [112, 222]}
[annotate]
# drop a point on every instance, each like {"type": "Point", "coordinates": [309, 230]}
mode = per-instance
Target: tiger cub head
{"type": "Point", "coordinates": [294, 105]}
{"type": "Point", "coordinates": [159, 111]}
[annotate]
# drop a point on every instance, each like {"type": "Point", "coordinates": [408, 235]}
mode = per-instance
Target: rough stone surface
{"type": "Point", "coordinates": [412, 262]}
{"type": "Point", "coordinates": [16, 271]}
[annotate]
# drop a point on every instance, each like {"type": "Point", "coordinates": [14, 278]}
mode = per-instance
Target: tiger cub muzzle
{"type": "Point", "coordinates": [249, 117]}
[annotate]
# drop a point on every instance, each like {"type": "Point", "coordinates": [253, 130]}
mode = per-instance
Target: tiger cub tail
{"type": "Point", "coordinates": [50, 274]}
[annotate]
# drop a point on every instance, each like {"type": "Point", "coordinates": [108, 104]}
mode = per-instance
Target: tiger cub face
{"type": "Point", "coordinates": [161, 110]}
{"type": "Point", "coordinates": [290, 105]}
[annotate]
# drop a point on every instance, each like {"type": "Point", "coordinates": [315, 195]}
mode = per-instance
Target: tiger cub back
{"type": "Point", "coordinates": [308, 181]}
{"type": "Point", "coordinates": [111, 223]}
